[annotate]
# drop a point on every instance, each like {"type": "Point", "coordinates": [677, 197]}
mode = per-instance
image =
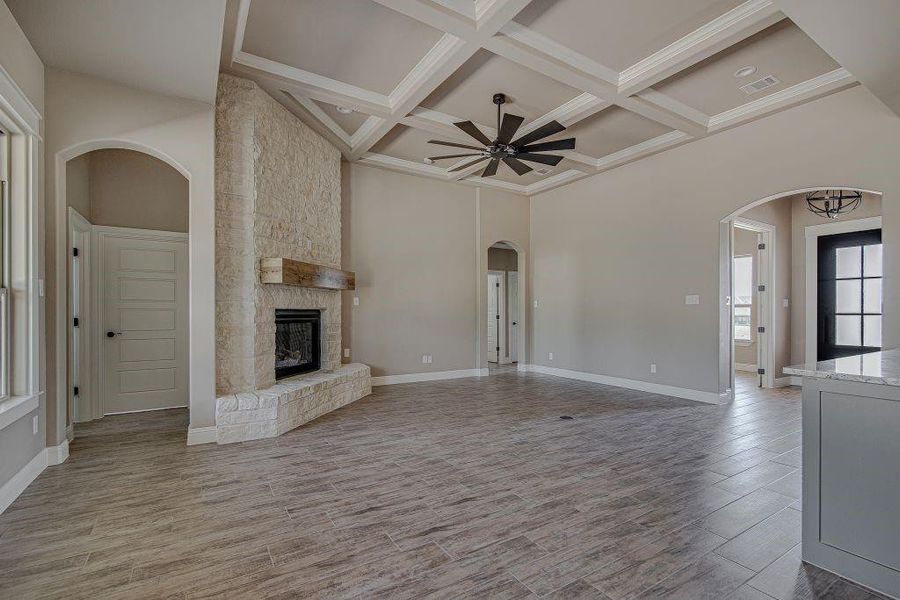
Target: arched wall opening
{"type": "Point", "coordinates": [146, 362]}
{"type": "Point", "coordinates": [785, 299]}
{"type": "Point", "coordinates": [504, 334]}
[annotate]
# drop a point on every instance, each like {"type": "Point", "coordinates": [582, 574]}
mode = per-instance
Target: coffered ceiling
{"type": "Point", "coordinates": [379, 78]}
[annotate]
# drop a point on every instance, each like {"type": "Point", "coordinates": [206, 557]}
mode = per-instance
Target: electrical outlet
{"type": "Point", "coordinates": [429, 359]}
{"type": "Point", "coordinates": [355, 300]}
{"type": "Point", "coordinates": [346, 352]}
{"type": "Point", "coordinates": [424, 359]}
{"type": "Point", "coordinates": [551, 356]}
{"type": "Point", "coordinates": [692, 299]}
{"type": "Point", "coordinates": [34, 425]}
{"type": "Point", "coordinates": [653, 367]}
{"type": "Point", "coordinates": [41, 287]}
{"type": "Point", "coordinates": [786, 303]}
{"type": "Point", "coordinates": [535, 304]}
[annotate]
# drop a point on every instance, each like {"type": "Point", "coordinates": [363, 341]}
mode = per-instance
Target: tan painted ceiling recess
{"type": "Point", "coordinates": [628, 79]}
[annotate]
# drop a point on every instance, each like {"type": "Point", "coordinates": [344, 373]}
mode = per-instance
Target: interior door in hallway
{"type": "Point", "coordinates": [493, 317]}
{"type": "Point", "coordinates": [144, 336]}
{"type": "Point", "coordinates": [512, 310]}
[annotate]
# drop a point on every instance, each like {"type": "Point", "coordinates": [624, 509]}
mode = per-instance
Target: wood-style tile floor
{"type": "Point", "coordinates": [471, 488]}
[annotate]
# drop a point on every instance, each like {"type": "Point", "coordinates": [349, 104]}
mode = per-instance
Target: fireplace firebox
{"type": "Point", "coordinates": [297, 341]}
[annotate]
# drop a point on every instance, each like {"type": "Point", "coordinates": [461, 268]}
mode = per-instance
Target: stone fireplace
{"type": "Point", "coordinates": [277, 195]}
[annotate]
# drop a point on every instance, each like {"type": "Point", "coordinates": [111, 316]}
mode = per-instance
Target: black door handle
{"type": "Point", "coordinates": [111, 334]}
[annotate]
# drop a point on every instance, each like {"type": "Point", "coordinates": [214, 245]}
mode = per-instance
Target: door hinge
{"type": "Point", "coordinates": [74, 251]}
{"type": "Point", "coordinates": [497, 317]}
{"type": "Point", "coordinates": [76, 321]}
{"type": "Point", "coordinates": [761, 371]}
{"type": "Point", "coordinates": [761, 247]}
{"type": "Point", "coordinates": [75, 391]}
{"type": "Point", "coordinates": [761, 287]}
{"type": "Point", "coordinates": [761, 329]}
{"type": "Point", "coordinates": [498, 348]}
{"type": "Point", "coordinates": [497, 284]}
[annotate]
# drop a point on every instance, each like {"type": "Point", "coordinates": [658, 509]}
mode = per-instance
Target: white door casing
{"type": "Point", "coordinates": [81, 404]}
{"type": "Point", "coordinates": [494, 316]}
{"type": "Point", "coordinates": [144, 305]}
{"type": "Point", "coordinates": [512, 311]}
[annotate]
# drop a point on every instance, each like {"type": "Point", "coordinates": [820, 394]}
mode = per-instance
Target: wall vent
{"type": "Point", "coordinates": [760, 84]}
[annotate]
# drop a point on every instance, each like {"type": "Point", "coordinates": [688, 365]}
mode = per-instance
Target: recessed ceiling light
{"type": "Point", "coordinates": [745, 71]}
{"type": "Point", "coordinates": [344, 110]}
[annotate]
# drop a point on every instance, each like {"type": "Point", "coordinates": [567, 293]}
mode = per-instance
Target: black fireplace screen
{"type": "Point", "coordinates": [297, 345]}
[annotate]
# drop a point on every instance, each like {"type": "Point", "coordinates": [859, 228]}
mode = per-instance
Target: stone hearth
{"type": "Point", "coordinates": [277, 194]}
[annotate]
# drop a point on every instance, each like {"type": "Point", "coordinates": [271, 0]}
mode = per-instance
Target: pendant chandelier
{"type": "Point", "coordinates": [833, 203]}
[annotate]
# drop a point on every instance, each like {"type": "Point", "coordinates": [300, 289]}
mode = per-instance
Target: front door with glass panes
{"type": "Point", "coordinates": [849, 294]}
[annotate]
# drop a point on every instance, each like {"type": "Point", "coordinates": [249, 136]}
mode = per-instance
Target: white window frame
{"type": "Point", "coordinates": [21, 123]}
{"type": "Point", "coordinates": [4, 269]}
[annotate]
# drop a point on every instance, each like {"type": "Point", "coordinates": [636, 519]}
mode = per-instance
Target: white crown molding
{"type": "Point", "coordinates": [737, 24]}
{"type": "Point", "coordinates": [314, 86]}
{"type": "Point", "coordinates": [323, 117]}
{"type": "Point", "coordinates": [806, 90]}
{"type": "Point", "coordinates": [544, 45]}
{"type": "Point", "coordinates": [414, 168]}
{"type": "Point", "coordinates": [554, 181]}
{"type": "Point", "coordinates": [578, 108]}
{"type": "Point", "coordinates": [653, 145]}
{"type": "Point", "coordinates": [669, 103]}
{"type": "Point", "coordinates": [450, 21]}
{"type": "Point", "coordinates": [429, 67]}
{"type": "Point", "coordinates": [16, 104]}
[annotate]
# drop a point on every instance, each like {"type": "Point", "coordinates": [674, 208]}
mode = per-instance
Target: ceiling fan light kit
{"type": "Point", "coordinates": [504, 147]}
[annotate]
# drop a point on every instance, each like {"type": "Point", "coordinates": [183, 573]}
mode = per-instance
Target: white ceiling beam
{"type": "Point", "coordinates": [816, 87]}
{"type": "Point", "coordinates": [434, 15]}
{"type": "Point", "coordinates": [737, 24]}
{"type": "Point", "coordinates": [301, 108]}
{"type": "Point", "coordinates": [311, 85]}
{"type": "Point", "coordinates": [441, 61]}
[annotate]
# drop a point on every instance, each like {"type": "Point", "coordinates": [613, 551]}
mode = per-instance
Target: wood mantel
{"type": "Point", "coordinates": [294, 272]}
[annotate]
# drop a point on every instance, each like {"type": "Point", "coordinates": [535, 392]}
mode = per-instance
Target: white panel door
{"type": "Point", "coordinates": [493, 317]}
{"type": "Point", "coordinates": [144, 282]}
{"type": "Point", "coordinates": [512, 315]}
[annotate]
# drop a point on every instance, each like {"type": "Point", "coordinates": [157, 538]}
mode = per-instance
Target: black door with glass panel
{"type": "Point", "coordinates": [849, 305]}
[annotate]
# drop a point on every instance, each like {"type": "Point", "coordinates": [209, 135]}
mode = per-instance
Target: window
{"type": "Point", "coordinates": [4, 267]}
{"type": "Point", "coordinates": [858, 296]}
{"type": "Point", "coordinates": [743, 299]}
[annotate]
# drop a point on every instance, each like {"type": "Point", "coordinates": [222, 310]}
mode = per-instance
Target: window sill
{"type": "Point", "coordinates": [14, 408]}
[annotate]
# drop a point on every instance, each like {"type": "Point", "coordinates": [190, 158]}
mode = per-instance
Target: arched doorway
{"type": "Point", "coordinates": [505, 303]}
{"type": "Point", "coordinates": [780, 256]}
{"type": "Point", "coordinates": [125, 283]}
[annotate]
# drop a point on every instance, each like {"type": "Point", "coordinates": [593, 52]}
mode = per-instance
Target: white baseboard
{"type": "Point", "coordinates": [431, 376]}
{"type": "Point", "coordinates": [143, 410]}
{"type": "Point", "coordinates": [21, 480]}
{"type": "Point", "coordinates": [788, 380]}
{"type": "Point", "coordinates": [201, 435]}
{"type": "Point", "coordinates": [57, 455]}
{"type": "Point", "coordinates": [745, 367]}
{"type": "Point", "coordinates": [633, 384]}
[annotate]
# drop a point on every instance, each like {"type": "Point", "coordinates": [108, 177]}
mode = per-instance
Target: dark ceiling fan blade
{"type": "Point", "coordinates": [566, 144]}
{"type": "Point", "coordinates": [454, 145]}
{"type": "Point", "coordinates": [451, 156]}
{"type": "Point", "coordinates": [469, 127]}
{"type": "Point", "coordinates": [469, 164]}
{"type": "Point", "coordinates": [491, 169]}
{"type": "Point", "coordinates": [509, 127]}
{"type": "Point", "coordinates": [516, 165]}
{"type": "Point", "coordinates": [547, 159]}
{"type": "Point", "coordinates": [539, 133]}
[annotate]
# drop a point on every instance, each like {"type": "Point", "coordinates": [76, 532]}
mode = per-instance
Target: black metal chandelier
{"type": "Point", "coordinates": [833, 203]}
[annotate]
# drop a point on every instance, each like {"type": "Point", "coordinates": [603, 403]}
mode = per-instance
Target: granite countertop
{"type": "Point", "coordinates": [882, 368]}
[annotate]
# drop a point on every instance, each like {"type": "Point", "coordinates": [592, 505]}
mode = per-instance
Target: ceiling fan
{"type": "Point", "coordinates": [504, 148]}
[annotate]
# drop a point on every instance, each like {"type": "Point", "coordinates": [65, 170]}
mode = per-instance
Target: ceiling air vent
{"type": "Point", "coordinates": [760, 84]}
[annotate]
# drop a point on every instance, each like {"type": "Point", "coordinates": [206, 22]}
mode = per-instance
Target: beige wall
{"type": "Point", "coordinates": [85, 114]}
{"type": "Point", "coordinates": [611, 302]}
{"type": "Point", "coordinates": [78, 185]}
{"type": "Point", "coordinates": [132, 189]}
{"type": "Point", "coordinates": [20, 60]}
{"type": "Point", "coordinates": [413, 250]}
{"type": "Point", "coordinates": [745, 243]}
{"type": "Point", "coordinates": [124, 188]}
{"type": "Point", "coordinates": [503, 259]}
